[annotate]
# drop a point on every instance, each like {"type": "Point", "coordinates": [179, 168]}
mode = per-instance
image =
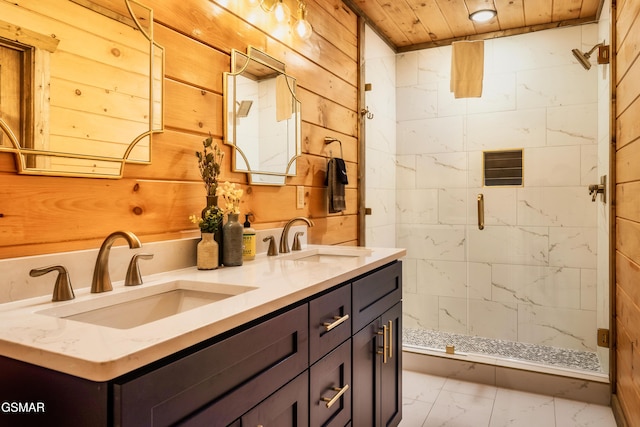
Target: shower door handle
{"type": "Point", "coordinates": [481, 211]}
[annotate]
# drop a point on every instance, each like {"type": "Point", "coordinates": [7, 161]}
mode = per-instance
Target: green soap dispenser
{"type": "Point", "coordinates": [248, 240]}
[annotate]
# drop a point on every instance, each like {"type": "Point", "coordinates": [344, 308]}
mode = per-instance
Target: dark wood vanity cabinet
{"type": "Point", "coordinates": [287, 407]}
{"type": "Point", "coordinates": [350, 338]}
{"type": "Point", "coordinates": [329, 321]}
{"type": "Point", "coordinates": [330, 360]}
{"type": "Point", "coordinates": [377, 371]}
{"type": "Point", "coordinates": [218, 384]}
{"type": "Point", "coordinates": [377, 348]}
{"type": "Point", "coordinates": [330, 388]}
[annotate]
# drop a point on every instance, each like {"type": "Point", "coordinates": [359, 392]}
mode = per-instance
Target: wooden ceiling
{"type": "Point", "coordinates": [418, 24]}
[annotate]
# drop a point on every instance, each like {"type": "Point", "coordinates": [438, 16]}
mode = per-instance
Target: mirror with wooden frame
{"type": "Point", "coordinates": [262, 117]}
{"type": "Point", "coordinates": [82, 86]}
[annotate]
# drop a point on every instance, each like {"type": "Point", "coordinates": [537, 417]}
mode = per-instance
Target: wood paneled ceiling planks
{"type": "Point", "coordinates": [418, 24]}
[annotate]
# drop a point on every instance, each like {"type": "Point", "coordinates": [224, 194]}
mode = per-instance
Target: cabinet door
{"type": "Point", "coordinates": [287, 407]}
{"type": "Point", "coordinates": [58, 399]}
{"type": "Point", "coordinates": [366, 371]}
{"type": "Point", "coordinates": [391, 371]}
{"type": "Point", "coordinates": [377, 371]}
{"type": "Point", "coordinates": [330, 388]}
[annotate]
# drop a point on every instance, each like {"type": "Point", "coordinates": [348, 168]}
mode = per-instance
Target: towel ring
{"type": "Point", "coordinates": [329, 140]}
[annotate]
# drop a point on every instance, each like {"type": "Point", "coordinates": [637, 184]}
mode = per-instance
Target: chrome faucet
{"type": "Point", "coordinates": [101, 280]}
{"type": "Point", "coordinates": [284, 239]}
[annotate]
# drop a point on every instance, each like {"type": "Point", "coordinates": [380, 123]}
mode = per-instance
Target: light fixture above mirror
{"type": "Point", "coordinates": [301, 26]}
{"type": "Point", "coordinates": [268, 5]}
{"type": "Point", "coordinates": [281, 12]}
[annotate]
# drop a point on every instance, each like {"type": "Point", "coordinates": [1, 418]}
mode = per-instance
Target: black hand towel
{"type": "Point", "coordinates": [335, 181]}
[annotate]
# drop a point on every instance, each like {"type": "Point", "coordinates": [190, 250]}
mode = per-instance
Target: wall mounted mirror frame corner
{"type": "Point", "coordinates": [94, 96]}
{"type": "Point", "coordinates": [262, 120]}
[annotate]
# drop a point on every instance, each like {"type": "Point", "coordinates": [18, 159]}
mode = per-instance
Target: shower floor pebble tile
{"type": "Point", "coordinates": [430, 401]}
{"type": "Point", "coordinates": [552, 356]}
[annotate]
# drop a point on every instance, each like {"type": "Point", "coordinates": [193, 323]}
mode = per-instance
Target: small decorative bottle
{"type": "Point", "coordinates": [207, 252]}
{"type": "Point", "coordinates": [249, 240]}
{"type": "Point", "coordinates": [232, 241]}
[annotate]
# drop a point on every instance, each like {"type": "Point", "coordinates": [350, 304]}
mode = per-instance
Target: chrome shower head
{"type": "Point", "coordinates": [583, 58]}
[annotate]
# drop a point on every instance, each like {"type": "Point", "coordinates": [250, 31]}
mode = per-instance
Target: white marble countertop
{"type": "Point", "coordinates": [102, 353]}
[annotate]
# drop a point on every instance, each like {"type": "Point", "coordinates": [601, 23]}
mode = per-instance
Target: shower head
{"type": "Point", "coordinates": [243, 108]}
{"type": "Point", "coordinates": [583, 57]}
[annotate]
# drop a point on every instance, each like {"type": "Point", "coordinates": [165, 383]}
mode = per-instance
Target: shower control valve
{"type": "Point", "coordinates": [595, 189]}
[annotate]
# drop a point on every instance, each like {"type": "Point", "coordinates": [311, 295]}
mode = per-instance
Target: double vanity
{"type": "Point", "coordinates": [311, 337]}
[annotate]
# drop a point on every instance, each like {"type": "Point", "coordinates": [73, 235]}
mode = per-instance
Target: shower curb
{"type": "Point", "coordinates": [566, 384]}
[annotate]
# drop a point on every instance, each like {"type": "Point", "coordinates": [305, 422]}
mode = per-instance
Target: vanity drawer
{"type": "Point", "coordinates": [330, 388]}
{"type": "Point", "coordinates": [329, 322]}
{"type": "Point", "coordinates": [375, 293]}
{"type": "Point", "coordinates": [253, 363]}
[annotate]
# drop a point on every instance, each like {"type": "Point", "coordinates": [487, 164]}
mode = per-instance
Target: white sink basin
{"type": "Point", "coordinates": [145, 305]}
{"type": "Point", "coordinates": [327, 254]}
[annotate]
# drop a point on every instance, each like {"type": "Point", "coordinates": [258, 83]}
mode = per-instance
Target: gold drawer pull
{"type": "Point", "coordinates": [337, 321]}
{"type": "Point", "coordinates": [334, 399]}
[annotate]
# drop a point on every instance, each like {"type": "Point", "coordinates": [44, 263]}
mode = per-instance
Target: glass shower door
{"type": "Point", "coordinates": [532, 258]}
{"type": "Point", "coordinates": [504, 270]}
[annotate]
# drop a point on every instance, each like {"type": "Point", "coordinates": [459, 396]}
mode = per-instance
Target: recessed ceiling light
{"type": "Point", "coordinates": [483, 15]}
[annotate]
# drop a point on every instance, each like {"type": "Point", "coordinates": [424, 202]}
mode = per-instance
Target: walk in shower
{"type": "Point", "coordinates": [525, 275]}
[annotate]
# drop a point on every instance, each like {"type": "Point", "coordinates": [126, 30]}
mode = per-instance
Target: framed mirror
{"type": "Point", "coordinates": [92, 93]}
{"type": "Point", "coordinates": [262, 117]}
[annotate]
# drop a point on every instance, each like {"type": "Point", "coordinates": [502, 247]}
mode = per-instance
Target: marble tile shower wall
{"type": "Point", "coordinates": [532, 270]}
{"type": "Point", "coordinates": [380, 171]}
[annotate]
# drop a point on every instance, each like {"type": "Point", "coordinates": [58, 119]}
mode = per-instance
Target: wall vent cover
{"type": "Point", "coordinates": [502, 168]}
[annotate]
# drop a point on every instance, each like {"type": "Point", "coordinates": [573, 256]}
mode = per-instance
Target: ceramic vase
{"type": "Point", "coordinates": [232, 242]}
{"type": "Point", "coordinates": [207, 252]}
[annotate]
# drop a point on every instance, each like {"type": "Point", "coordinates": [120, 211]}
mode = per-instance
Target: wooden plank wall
{"type": "Point", "coordinates": [50, 214]}
{"type": "Point", "coordinates": [627, 290]}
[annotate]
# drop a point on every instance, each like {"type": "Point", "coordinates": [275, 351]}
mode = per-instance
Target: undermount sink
{"type": "Point", "coordinates": [327, 254]}
{"type": "Point", "coordinates": [145, 305]}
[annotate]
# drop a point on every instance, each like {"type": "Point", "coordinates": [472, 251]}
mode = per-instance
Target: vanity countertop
{"type": "Point", "coordinates": [102, 353]}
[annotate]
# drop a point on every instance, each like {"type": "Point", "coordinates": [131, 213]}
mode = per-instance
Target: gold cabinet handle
{"type": "Point", "coordinates": [384, 350]}
{"type": "Point", "coordinates": [337, 321]}
{"type": "Point", "coordinates": [334, 399]}
{"type": "Point", "coordinates": [390, 339]}
{"type": "Point", "coordinates": [481, 211]}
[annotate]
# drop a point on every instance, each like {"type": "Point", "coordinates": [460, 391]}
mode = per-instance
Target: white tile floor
{"type": "Point", "coordinates": [437, 401]}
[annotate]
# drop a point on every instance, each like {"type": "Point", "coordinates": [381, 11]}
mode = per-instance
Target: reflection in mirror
{"type": "Point", "coordinates": [262, 117]}
{"type": "Point", "coordinates": [94, 96]}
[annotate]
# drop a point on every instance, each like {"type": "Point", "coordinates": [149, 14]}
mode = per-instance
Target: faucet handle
{"type": "Point", "coordinates": [296, 241]}
{"type": "Point", "coordinates": [62, 291]}
{"type": "Point", "coordinates": [273, 251]}
{"type": "Point", "coordinates": [134, 278]}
